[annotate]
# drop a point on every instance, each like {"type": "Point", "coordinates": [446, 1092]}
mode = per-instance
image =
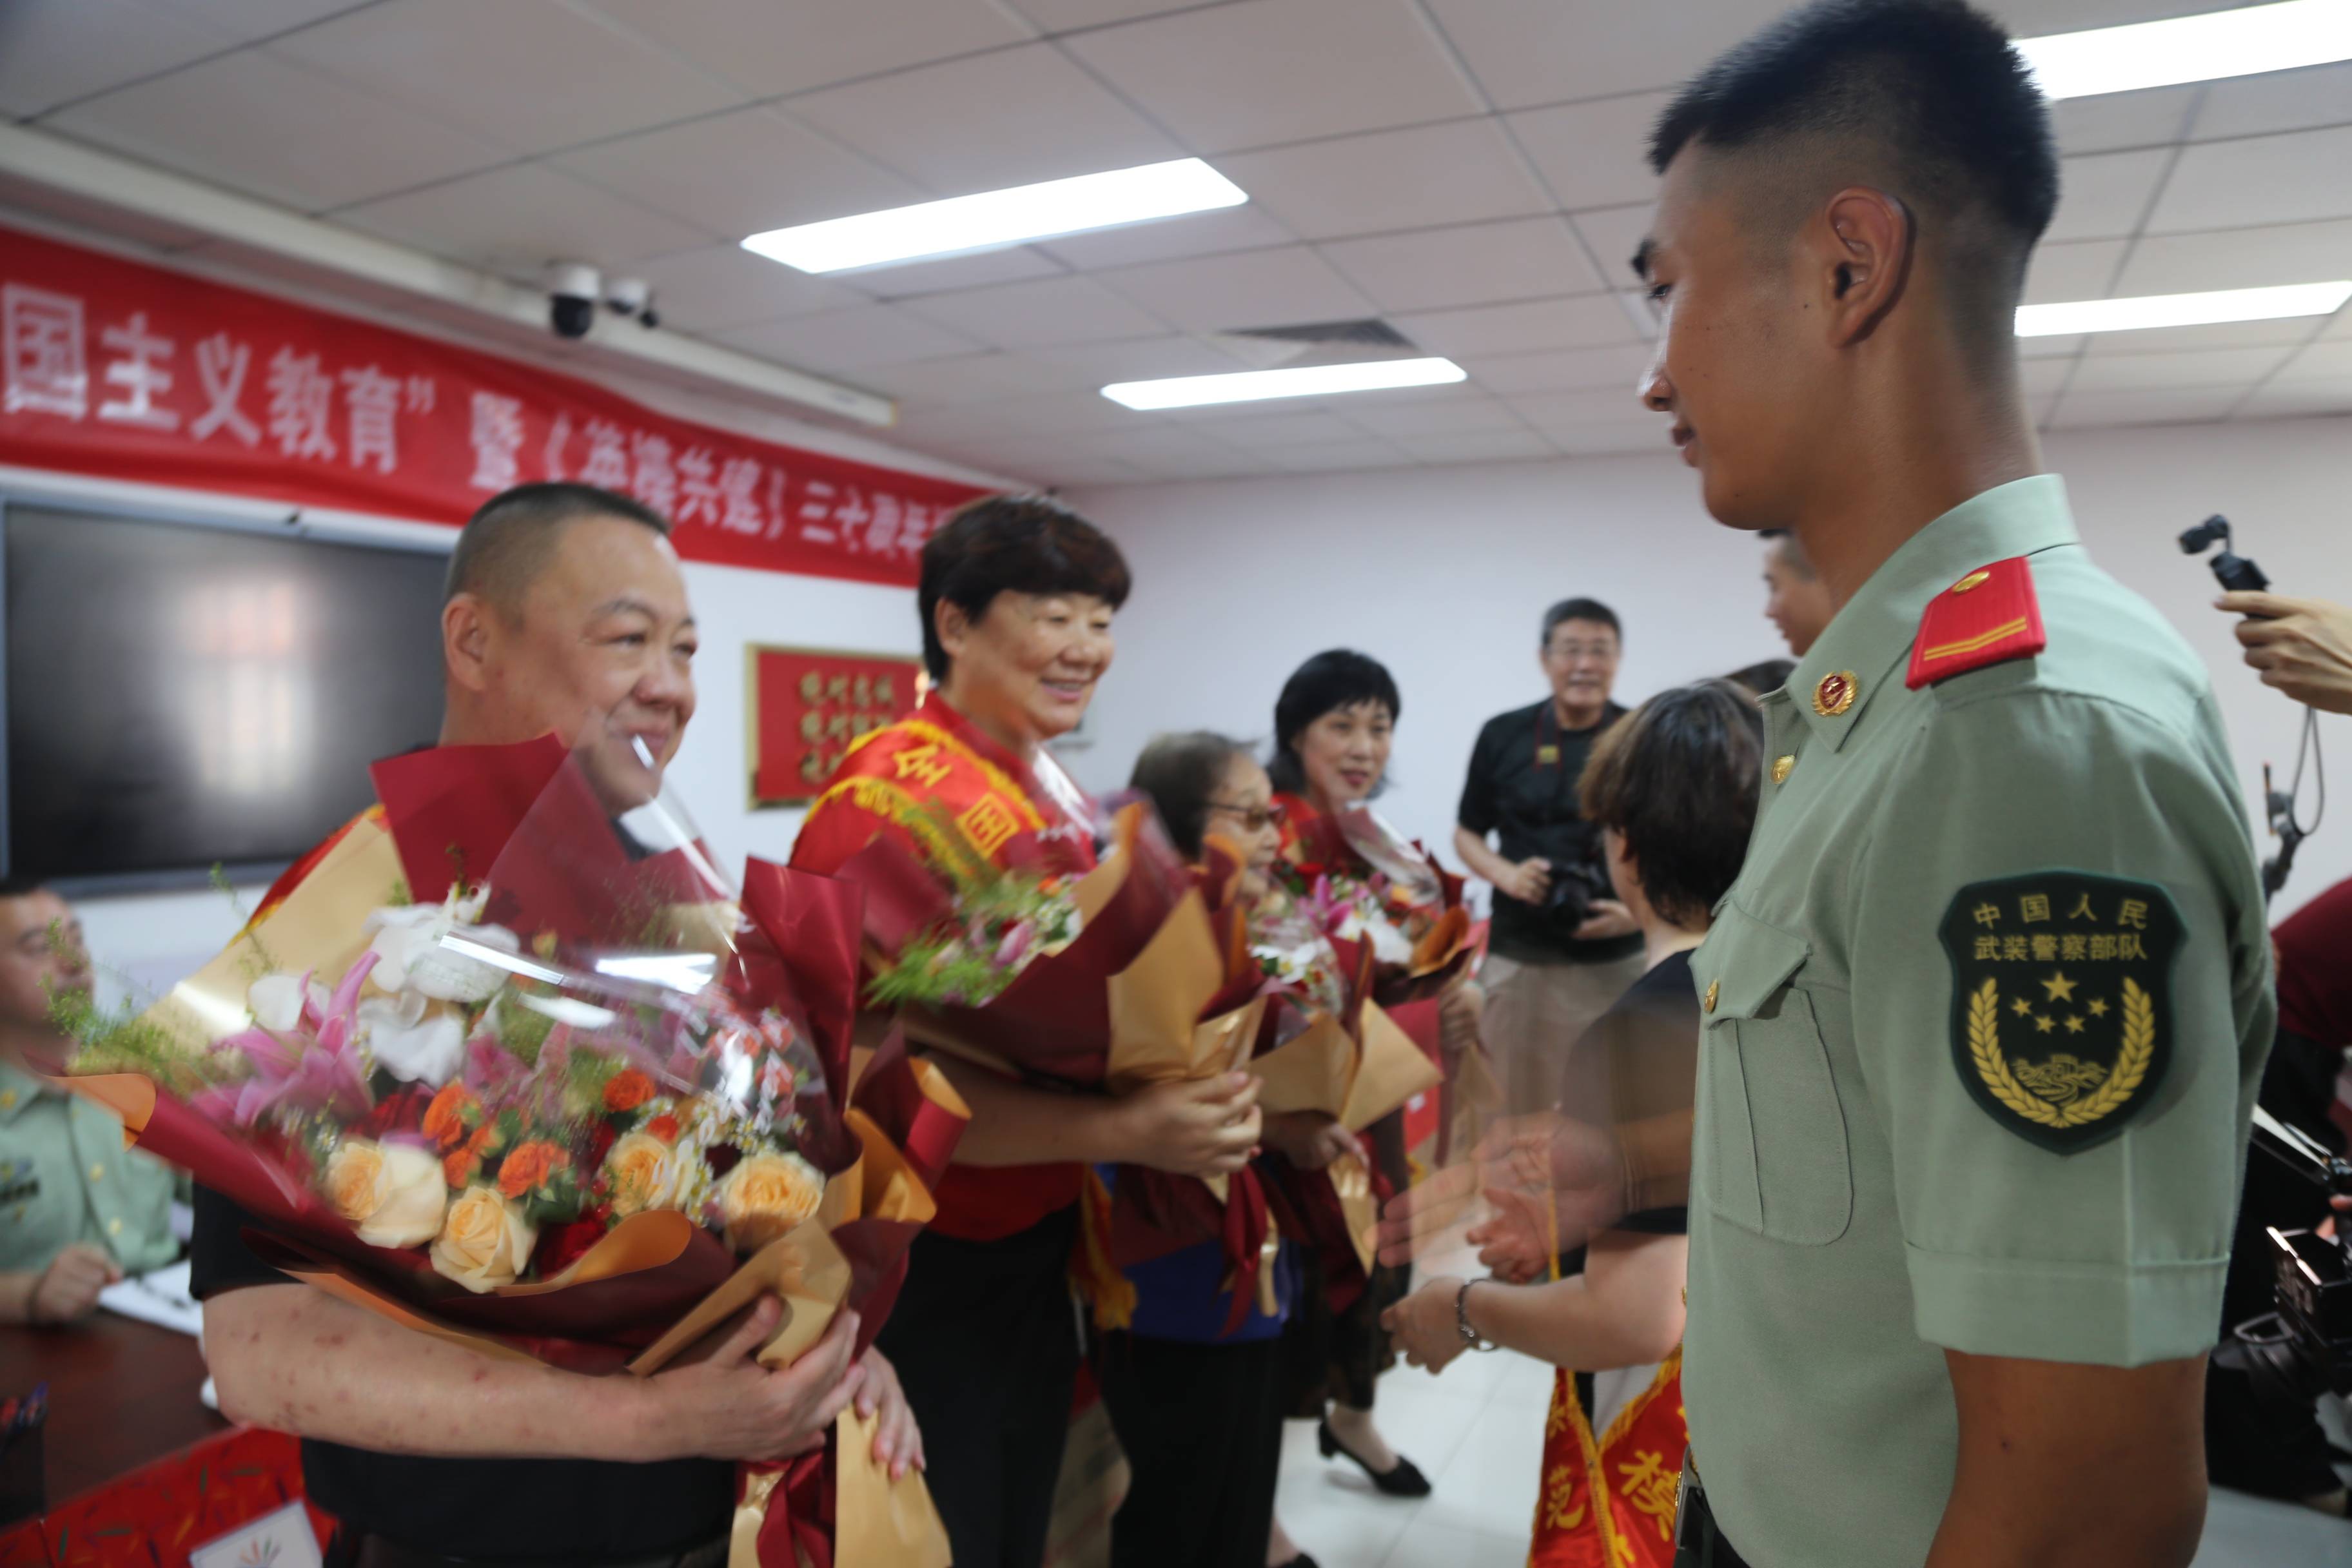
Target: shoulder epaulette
{"type": "Point", "coordinates": [1989, 616]}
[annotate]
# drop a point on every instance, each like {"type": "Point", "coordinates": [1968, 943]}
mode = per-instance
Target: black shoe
{"type": "Point", "coordinates": [1404, 1479]}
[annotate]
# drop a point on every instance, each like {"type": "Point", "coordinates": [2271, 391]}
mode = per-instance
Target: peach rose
{"type": "Point", "coordinates": [627, 1090]}
{"type": "Point", "coordinates": [644, 1171]}
{"type": "Point", "coordinates": [484, 1242]}
{"type": "Point", "coordinates": [391, 1192]}
{"type": "Point", "coordinates": [527, 1166]}
{"type": "Point", "coordinates": [765, 1196]}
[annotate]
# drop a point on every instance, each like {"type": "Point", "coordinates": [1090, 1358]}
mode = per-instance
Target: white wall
{"type": "Point", "coordinates": [1444, 574]}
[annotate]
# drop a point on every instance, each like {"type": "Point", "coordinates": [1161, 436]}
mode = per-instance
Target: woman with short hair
{"type": "Point", "coordinates": [1017, 595]}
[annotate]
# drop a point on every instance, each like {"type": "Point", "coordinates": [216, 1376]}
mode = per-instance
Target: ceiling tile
{"type": "Point", "coordinates": [1419, 178]}
{"type": "Point", "coordinates": [912, 279]}
{"type": "Point", "coordinates": [1594, 154]}
{"type": "Point", "coordinates": [2111, 121]}
{"type": "Point", "coordinates": [2051, 348]}
{"type": "Point", "coordinates": [1247, 227]}
{"type": "Point", "coordinates": [254, 20]}
{"type": "Point", "coordinates": [530, 74]}
{"type": "Point", "coordinates": [1473, 264]}
{"type": "Point", "coordinates": [1138, 359]}
{"type": "Point", "coordinates": [2259, 180]}
{"type": "Point", "coordinates": [2043, 378]}
{"type": "Point", "coordinates": [740, 174]}
{"type": "Point", "coordinates": [766, 48]}
{"type": "Point", "coordinates": [2078, 269]}
{"type": "Point", "coordinates": [1552, 412]}
{"type": "Point", "coordinates": [1052, 415]}
{"type": "Point", "coordinates": [2041, 19]}
{"type": "Point", "coordinates": [519, 218]}
{"type": "Point", "coordinates": [1229, 76]}
{"type": "Point", "coordinates": [2190, 339]}
{"type": "Point", "coordinates": [1271, 427]}
{"type": "Point", "coordinates": [988, 122]}
{"type": "Point", "coordinates": [966, 378]}
{"type": "Point", "coordinates": [1589, 322]}
{"type": "Point", "coordinates": [721, 286]}
{"type": "Point", "coordinates": [254, 123]}
{"type": "Point", "coordinates": [853, 340]}
{"type": "Point", "coordinates": [1337, 457]}
{"type": "Point", "coordinates": [2174, 406]}
{"type": "Point", "coordinates": [1610, 437]}
{"type": "Point", "coordinates": [1251, 289]}
{"type": "Point", "coordinates": [2285, 399]}
{"type": "Point", "coordinates": [2322, 361]}
{"type": "Point", "coordinates": [55, 51]}
{"type": "Point", "coordinates": [1478, 446]}
{"type": "Point", "coordinates": [1548, 51]}
{"type": "Point", "coordinates": [2240, 368]}
{"type": "Point", "coordinates": [1560, 370]}
{"type": "Point", "coordinates": [2101, 196]}
{"type": "Point", "coordinates": [2254, 257]}
{"type": "Point", "coordinates": [1057, 15]}
{"type": "Point", "coordinates": [1467, 410]}
{"type": "Point", "coordinates": [2275, 101]}
{"type": "Point", "coordinates": [1170, 450]}
{"type": "Point", "coordinates": [1063, 310]}
{"type": "Point", "coordinates": [1614, 234]}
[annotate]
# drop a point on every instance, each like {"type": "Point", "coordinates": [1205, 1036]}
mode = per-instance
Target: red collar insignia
{"type": "Point", "coordinates": [1989, 616]}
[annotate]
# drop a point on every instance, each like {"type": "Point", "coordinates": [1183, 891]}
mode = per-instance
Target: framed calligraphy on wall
{"type": "Point", "coordinates": [808, 705]}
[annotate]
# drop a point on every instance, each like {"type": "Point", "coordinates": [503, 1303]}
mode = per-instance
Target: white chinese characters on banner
{"type": "Point", "coordinates": [137, 370]}
{"type": "Point", "coordinates": [46, 373]}
{"type": "Point", "coordinates": [371, 399]}
{"type": "Point", "coordinates": [656, 482]}
{"type": "Point", "coordinates": [607, 467]}
{"type": "Point", "coordinates": [221, 367]}
{"type": "Point", "coordinates": [301, 407]}
{"type": "Point", "coordinates": [497, 436]}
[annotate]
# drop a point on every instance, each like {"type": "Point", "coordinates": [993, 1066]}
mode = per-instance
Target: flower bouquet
{"type": "Point", "coordinates": [512, 1065]}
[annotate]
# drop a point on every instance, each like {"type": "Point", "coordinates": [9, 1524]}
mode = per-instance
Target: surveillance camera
{"type": "Point", "coordinates": [572, 290]}
{"type": "Point", "coordinates": [631, 297]}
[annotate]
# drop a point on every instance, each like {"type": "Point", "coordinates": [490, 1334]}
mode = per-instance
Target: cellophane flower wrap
{"type": "Point", "coordinates": [514, 1064]}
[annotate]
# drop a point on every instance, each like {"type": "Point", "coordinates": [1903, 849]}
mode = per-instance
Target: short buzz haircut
{"type": "Point", "coordinates": [1784, 545]}
{"type": "Point", "coordinates": [1925, 98]}
{"type": "Point", "coordinates": [1568, 610]}
{"type": "Point", "coordinates": [1182, 774]}
{"type": "Point", "coordinates": [509, 541]}
{"type": "Point", "coordinates": [1677, 779]}
{"type": "Point", "coordinates": [1012, 545]}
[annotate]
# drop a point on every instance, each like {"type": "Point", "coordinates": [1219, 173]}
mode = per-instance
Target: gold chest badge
{"type": "Point", "coordinates": [1835, 693]}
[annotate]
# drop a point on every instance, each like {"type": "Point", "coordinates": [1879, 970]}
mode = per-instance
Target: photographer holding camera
{"type": "Point", "coordinates": [1562, 947]}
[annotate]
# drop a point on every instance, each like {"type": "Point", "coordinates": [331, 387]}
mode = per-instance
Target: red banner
{"type": "Point", "coordinates": [132, 372]}
{"type": "Point", "coordinates": [808, 705]}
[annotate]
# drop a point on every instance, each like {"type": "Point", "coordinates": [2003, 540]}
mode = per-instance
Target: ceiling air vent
{"type": "Point", "coordinates": [1317, 342]}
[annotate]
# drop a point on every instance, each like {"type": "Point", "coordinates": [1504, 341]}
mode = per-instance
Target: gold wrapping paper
{"type": "Point", "coordinates": [1353, 1182]}
{"type": "Point", "coordinates": [876, 1520]}
{"type": "Point", "coordinates": [1355, 1085]}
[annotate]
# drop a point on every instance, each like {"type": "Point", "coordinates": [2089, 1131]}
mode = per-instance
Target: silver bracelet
{"type": "Point", "coordinates": [1471, 1337]}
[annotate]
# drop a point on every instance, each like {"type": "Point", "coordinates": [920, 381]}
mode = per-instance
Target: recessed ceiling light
{"type": "Point", "coordinates": [1303, 381]}
{"type": "Point", "coordinates": [2204, 47]}
{"type": "Point", "coordinates": [994, 218]}
{"type": "Point", "coordinates": [2182, 310]}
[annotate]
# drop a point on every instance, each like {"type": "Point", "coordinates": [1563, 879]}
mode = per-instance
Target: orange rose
{"type": "Point", "coordinates": [627, 1090]}
{"type": "Point", "coordinates": [446, 1118]}
{"type": "Point", "coordinates": [458, 1167]}
{"type": "Point", "coordinates": [663, 1128]}
{"type": "Point", "coordinates": [528, 1165]}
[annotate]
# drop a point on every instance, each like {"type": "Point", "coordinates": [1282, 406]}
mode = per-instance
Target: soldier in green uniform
{"type": "Point", "coordinates": [78, 1210]}
{"type": "Point", "coordinates": [1984, 1014]}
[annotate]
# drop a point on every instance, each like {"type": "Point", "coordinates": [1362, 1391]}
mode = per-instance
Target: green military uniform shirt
{"type": "Point", "coordinates": [1983, 1019]}
{"type": "Point", "coordinates": [64, 1177]}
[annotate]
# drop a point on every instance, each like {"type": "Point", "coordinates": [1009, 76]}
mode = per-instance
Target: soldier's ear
{"type": "Point", "coordinates": [466, 637]}
{"type": "Point", "coordinates": [1862, 249]}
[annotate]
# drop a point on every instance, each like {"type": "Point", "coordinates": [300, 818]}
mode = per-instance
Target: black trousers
{"type": "Point", "coordinates": [1202, 1425]}
{"type": "Point", "coordinates": [985, 1340]}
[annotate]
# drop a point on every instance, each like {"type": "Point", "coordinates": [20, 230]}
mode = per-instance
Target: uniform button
{"type": "Point", "coordinates": [1973, 580]}
{"type": "Point", "coordinates": [1713, 990]}
{"type": "Point", "coordinates": [7, 1099]}
{"type": "Point", "coordinates": [1781, 767]}
{"type": "Point", "coordinates": [114, 1227]}
{"type": "Point", "coordinates": [97, 1173]}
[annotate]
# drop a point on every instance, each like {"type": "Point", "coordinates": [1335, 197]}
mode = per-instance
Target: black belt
{"type": "Point", "coordinates": [1698, 1541]}
{"type": "Point", "coordinates": [376, 1552]}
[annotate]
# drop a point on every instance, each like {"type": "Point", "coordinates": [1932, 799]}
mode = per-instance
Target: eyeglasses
{"type": "Point", "coordinates": [1253, 818]}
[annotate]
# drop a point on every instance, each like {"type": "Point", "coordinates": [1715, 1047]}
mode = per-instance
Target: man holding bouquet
{"type": "Point", "coordinates": [565, 609]}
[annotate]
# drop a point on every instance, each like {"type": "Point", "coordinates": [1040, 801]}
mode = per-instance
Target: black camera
{"type": "Point", "coordinates": [1569, 897]}
{"type": "Point", "coordinates": [2304, 1348]}
{"type": "Point", "coordinates": [2235, 572]}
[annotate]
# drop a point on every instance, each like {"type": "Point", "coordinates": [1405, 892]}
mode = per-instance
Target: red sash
{"type": "Point", "coordinates": [925, 777]}
{"type": "Point", "coordinates": [1608, 1503]}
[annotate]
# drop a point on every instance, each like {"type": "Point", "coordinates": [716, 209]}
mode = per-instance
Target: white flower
{"type": "Point", "coordinates": [276, 1000]}
{"type": "Point", "coordinates": [410, 954]}
{"type": "Point", "coordinates": [410, 1043]}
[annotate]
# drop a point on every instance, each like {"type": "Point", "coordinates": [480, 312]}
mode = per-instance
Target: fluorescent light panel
{"type": "Point", "coordinates": [994, 218]}
{"type": "Point", "coordinates": [2206, 48]}
{"type": "Point", "coordinates": [2182, 310]}
{"type": "Point", "coordinates": [1305, 381]}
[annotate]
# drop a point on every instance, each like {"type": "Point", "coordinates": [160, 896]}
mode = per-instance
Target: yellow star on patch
{"type": "Point", "coordinates": [2098, 1007]}
{"type": "Point", "coordinates": [2074, 1026]}
{"type": "Point", "coordinates": [2045, 1024]}
{"type": "Point", "coordinates": [2060, 989]}
{"type": "Point", "coordinates": [2022, 1007]}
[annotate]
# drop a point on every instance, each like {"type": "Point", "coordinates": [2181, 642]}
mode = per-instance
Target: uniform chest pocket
{"type": "Point", "coordinates": [1776, 1154]}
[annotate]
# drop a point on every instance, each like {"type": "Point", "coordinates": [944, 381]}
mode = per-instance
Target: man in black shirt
{"type": "Point", "coordinates": [1562, 949]}
{"type": "Point", "coordinates": [566, 609]}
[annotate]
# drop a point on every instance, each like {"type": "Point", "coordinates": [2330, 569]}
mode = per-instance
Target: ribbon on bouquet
{"type": "Point", "coordinates": [778, 1516]}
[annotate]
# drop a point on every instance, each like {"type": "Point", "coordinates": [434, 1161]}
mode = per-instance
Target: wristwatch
{"type": "Point", "coordinates": [1471, 1337]}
